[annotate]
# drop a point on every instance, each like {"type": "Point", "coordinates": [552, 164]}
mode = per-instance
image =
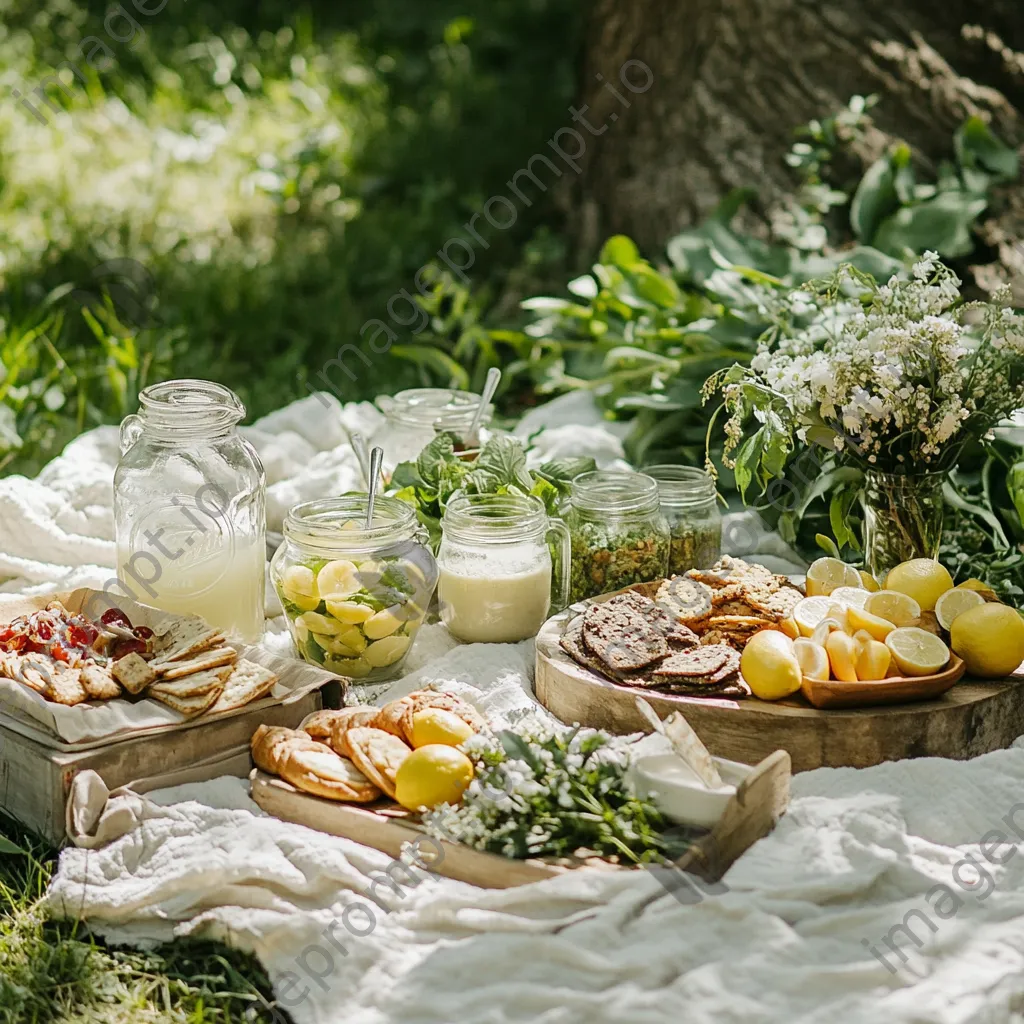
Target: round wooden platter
{"type": "Point", "coordinates": [969, 719]}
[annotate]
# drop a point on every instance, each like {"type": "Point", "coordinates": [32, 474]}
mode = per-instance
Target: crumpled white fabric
{"type": "Point", "coordinates": [798, 934]}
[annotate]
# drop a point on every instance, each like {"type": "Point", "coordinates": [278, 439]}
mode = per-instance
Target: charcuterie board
{"type": "Point", "coordinates": [968, 719]}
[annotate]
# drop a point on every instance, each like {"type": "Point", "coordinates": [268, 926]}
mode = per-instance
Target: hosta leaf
{"type": "Point", "coordinates": [876, 197]}
{"type": "Point", "coordinates": [942, 224]}
{"type": "Point", "coordinates": [978, 147]}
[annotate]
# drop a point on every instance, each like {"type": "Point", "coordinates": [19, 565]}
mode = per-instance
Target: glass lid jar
{"type": "Point", "coordinates": [189, 507]}
{"type": "Point", "coordinates": [689, 500]}
{"type": "Point", "coordinates": [354, 597]}
{"type": "Point", "coordinates": [619, 535]}
{"type": "Point", "coordinates": [413, 417]}
{"type": "Point", "coordinates": [496, 568]}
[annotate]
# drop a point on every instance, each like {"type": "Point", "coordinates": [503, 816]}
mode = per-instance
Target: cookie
{"type": "Point", "coordinates": [268, 744]}
{"type": "Point", "coordinates": [318, 770]}
{"type": "Point", "coordinates": [377, 754]}
{"type": "Point", "coordinates": [320, 725]}
{"type": "Point", "coordinates": [621, 636]}
{"type": "Point", "coordinates": [65, 687]}
{"type": "Point", "coordinates": [99, 683]}
{"type": "Point", "coordinates": [389, 718]}
{"type": "Point", "coordinates": [446, 702]}
{"type": "Point", "coordinates": [687, 600]}
{"type": "Point", "coordinates": [245, 683]}
{"type": "Point", "coordinates": [702, 662]}
{"type": "Point", "coordinates": [133, 672]}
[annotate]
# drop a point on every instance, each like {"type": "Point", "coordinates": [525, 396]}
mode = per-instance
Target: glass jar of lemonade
{"type": "Point", "coordinates": [496, 567]}
{"type": "Point", "coordinates": [413, 417]}
{"type": "Point", "coordinates": [354, 596]}
{"type": "Point", "coordinates": [190, 507]}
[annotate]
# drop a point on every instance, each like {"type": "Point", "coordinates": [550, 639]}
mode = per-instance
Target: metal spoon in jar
{"type": "Point", "coordinates": [362, 457]}
{"type": "Point", "coordinates": [376, 458]}
{"type": "Point", "coordinates": [490, 387]}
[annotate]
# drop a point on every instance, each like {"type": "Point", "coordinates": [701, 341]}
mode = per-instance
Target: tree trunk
{"type": "Point", "coordinates": [733, 78]}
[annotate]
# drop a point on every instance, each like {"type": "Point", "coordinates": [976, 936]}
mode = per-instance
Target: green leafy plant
{"type": "Point", "coordinates": [440, 473]}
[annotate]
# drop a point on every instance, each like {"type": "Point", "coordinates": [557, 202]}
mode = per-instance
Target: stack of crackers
{"type": "Point", "coordinates": [684, 636]}
{"type": "Point", "coordinates": [352, 755]}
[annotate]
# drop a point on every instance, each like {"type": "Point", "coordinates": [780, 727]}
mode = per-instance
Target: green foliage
{"type": "Point", "coordinates": [440, 474]}
{"type": "Point", "coordinates": [280, 172]}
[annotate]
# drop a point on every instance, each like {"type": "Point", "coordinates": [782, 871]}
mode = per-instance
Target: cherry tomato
{"type": "Point", "coordinates": [81, 635]}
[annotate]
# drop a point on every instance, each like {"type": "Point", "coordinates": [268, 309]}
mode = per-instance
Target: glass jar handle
{"type": "Point", "coordinates": [564, 568]}
{"type": "Point", "coordinates": [131, 431]}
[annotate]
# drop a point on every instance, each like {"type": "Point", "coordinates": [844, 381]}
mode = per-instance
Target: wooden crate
{"type": "Point", "coordinates": [36, 772]}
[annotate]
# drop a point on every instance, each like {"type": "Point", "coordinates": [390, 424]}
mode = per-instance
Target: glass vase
{"type": "Point", "coordinates": [902, 518]}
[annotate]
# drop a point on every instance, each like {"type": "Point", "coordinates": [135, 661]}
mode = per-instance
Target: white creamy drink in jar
{"type": "Point", "coordinates": [501, 603]}
{"type": "Point", "coordinates": [496, 568]}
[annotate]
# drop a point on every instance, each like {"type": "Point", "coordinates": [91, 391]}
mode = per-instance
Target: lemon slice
{"type": "Point", "coordinates": [338, 580]}
{"type": "Point", "coordinates": [899, 609]}
{"type": "Point", "coordinates": [809, 612]}
{"type": "Point", "coordinates": [851, 597]}
{"type": "Point", "coordinates": [875, 625]}
{"type": "Point", "coordinates": [953, 603]}
{"type": "Point", "coordinates": [826, 574]}
{"type": "Point", "coordinates": [916, 651]}
{"type": "Point", "coordinates": [812, 658]}
{"type": "Point", "coordinates": [297, 586]}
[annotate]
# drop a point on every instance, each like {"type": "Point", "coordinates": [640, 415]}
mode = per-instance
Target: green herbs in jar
{"type": "Point", "coordinates": [689, 501]}
{"type": "Point", "coordinates": [694, 546]}
{"type": "Point", "coordinates": [619, 536]}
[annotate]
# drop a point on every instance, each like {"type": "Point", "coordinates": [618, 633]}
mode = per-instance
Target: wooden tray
{"type": "Point", "coordinates": [759, 802]}
{"type": "Point", "coordinates": [833, 693]}
{"type": "Point", "coordinates": [968, 719]}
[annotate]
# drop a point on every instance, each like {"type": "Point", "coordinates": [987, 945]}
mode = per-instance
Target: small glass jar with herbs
{"type": "Point", "coordinates": [619, 535]}
{"type": "Point", "coordinates": [689, 501]}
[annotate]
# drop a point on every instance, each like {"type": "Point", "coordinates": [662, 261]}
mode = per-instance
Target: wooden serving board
{"type": "Point", "coordinates": [969, 719]}
{"type": "Point", "coordinates": [759, 802]}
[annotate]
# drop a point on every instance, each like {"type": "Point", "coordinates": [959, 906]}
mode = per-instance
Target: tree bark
{"type": "Point", "coordinates": [732, 79]}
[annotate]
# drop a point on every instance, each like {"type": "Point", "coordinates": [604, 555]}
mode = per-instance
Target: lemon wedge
{"type": "Point", "coordinates": [954, 602]}
{"type": "Point", "coordinates": [826, 574]}
{"type": "Point", "coordinates": [878, 627]}
{"type": "Point", "coordinates": [812, 658]}
{"type": "Point", "coordinates": [867, 581]}
{"type": "Point", "coordinates": [916, 651]}
{"type": "Point", "coordinates": [899, 609]}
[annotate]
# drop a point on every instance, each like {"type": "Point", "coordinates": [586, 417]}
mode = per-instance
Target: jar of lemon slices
{"type": "Point", "coordinates": [354, 596]}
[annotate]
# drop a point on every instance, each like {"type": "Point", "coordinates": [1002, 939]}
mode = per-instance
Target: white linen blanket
{"type": "Point", "coordinates": [915, 856]}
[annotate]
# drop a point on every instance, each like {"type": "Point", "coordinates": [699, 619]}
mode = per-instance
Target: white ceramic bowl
{"type": "Point", "coordinates": [670, 783]}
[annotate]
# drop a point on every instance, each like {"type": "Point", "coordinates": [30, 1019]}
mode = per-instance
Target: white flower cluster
{"type": "Point", "coordinates": [889, 374]}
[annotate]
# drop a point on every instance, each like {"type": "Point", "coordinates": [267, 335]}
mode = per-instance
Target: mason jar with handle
{"type": "Point", "coordinates": [496, 568]}
{"type": "Point", "coordinates": [190, 507]}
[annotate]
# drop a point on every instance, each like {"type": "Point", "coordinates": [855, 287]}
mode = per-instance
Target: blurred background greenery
{"type": "Point", "coordinates": [279, 169]}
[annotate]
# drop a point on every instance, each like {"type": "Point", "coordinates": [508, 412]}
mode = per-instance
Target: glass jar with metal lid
{"type": "Point", "coordinates": [619, 535]}
{"type": "Point", "coordinates": [689, 501]}
{"type": "Point", "coordinates": [354, 596]}
{"type": "Point", "coordinates": [413, 417]}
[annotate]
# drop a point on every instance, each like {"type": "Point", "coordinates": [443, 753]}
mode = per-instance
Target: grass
{"type": "Point", "coordinates": [53, 971]}
{"type": "Point", "coordinates": [277, 171]}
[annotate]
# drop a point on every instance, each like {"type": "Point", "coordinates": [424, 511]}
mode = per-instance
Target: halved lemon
{"type": "Point", "coordinates": [850, 596]}
{"type": "Point", "coordinates": [954, 602]}
{"type": "Point", "coordinates": [899, 609]}
{"type": "Point", "coordinates": [826, 574]}
{"type": "Point", "coordinates": [809, 612]}
{"type": "Point", "coordinates": [916, 651]}
{"type": "Point", "coordinates": [878, 627]}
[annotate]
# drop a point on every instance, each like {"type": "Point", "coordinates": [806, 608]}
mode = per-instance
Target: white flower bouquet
{"type": "Point", "coordinates": [891, 379]}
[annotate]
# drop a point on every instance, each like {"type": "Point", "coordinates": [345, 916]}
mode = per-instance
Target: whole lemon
{"type": "Point", "coordinates": [769, 665]}
{"type": "Point", "coordinates": [435, 725]}
{"type": "Point", "coordinates": [990, 639]}
{"type": "Point", "coordinates": [923, 579]}
{"type": "Point", "coordinates": [432, 775]}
